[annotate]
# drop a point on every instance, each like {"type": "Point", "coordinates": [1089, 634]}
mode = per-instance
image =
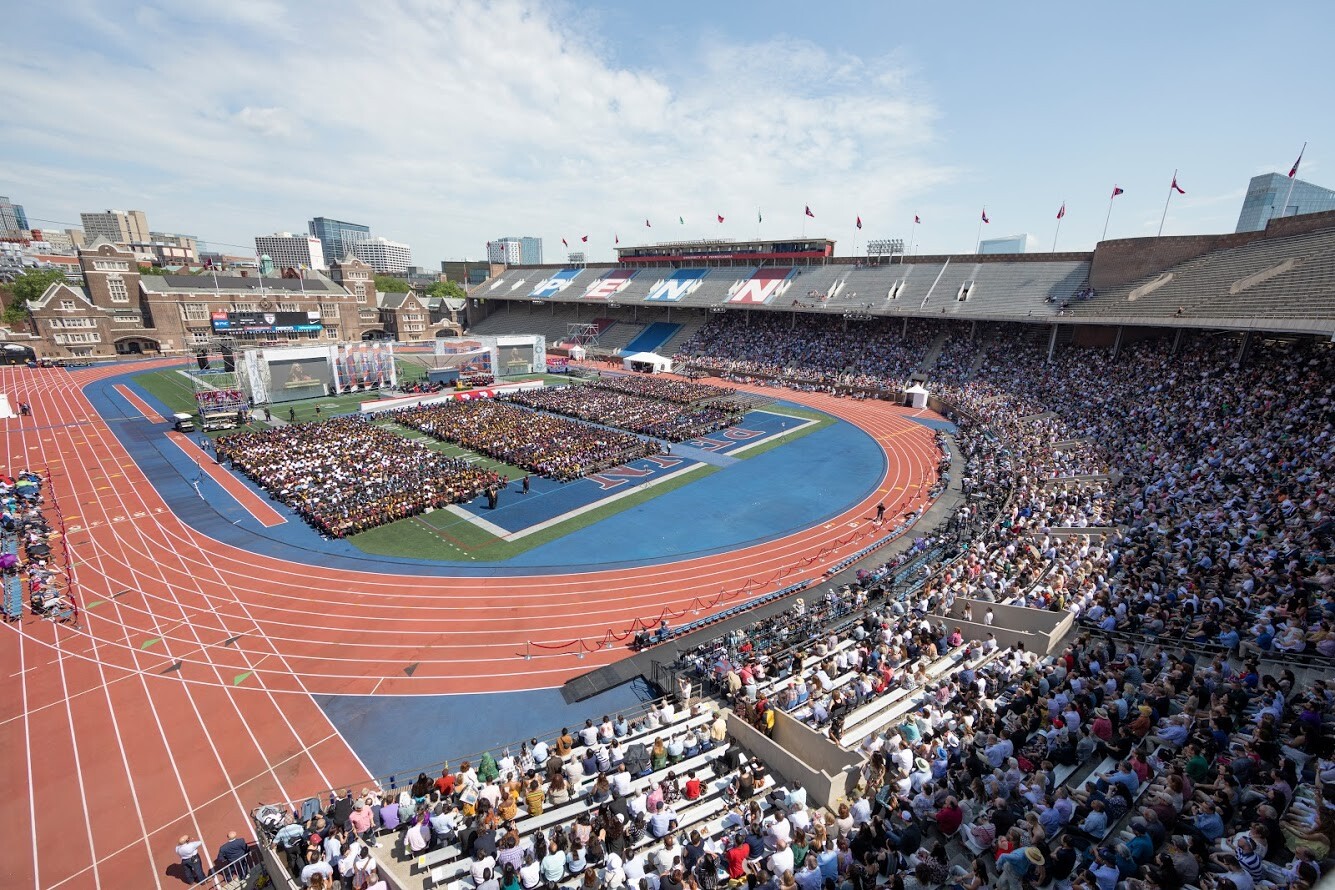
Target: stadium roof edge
{"type": "Point", "coordinates": [1065, 256]}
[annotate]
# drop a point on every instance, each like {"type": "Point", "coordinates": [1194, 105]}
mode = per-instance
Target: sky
{"type": "Point", "coordinates": [446, 124]}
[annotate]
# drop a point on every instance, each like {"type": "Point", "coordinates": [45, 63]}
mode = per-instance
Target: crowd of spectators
{"type": "Point", "coordinates": [348, 475]}
{"type": "Point", "coordinates": [1172, 500]}
{"type": "Point", "coordinates": [26, 557]}
{"type": "Point", "coordinates": [672, 421]}
{"type": "Point", "coordinates": [812, 352]}
{"type": "Point", "coordinates": [1202, 485]}
{"type": "Point", "coordinates": [492, 814]}
{"type": "Point", "coordinates": [541, 443]}
{"type": "Point", "coordinates": [665, 389]}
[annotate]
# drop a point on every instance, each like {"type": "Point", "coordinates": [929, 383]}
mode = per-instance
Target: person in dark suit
{"type": "Point", "coordinates": [230, 855]}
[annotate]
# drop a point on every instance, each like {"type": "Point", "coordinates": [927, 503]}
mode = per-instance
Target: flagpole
{"type": "Point", "coordinates": [978, 239]}
{"type": "Point", "coordinates": [1059, 226]}
{"type": "Point", "coordinates": [1289, 194]}
{"type": "Point", "coordinates": [913, 237]}
{"type": "Point", "coordinates": [1109, 216]}
{"type": "Point", "coordinates": [1165, 205]}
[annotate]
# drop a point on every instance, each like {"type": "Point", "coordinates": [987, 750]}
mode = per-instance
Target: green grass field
{"type": "Point", "coordinates": [442, 534]}
{"type": "Point", "coordinates": [176, 390]}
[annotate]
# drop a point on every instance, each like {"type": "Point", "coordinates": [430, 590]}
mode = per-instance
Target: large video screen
{"type": "Point", "coordinates": [365, 364]}
{"type": "Point", "coordinates": [515, 360]}
{"type": "Point", "coordinates": [301, 378]}
{"type": "Point", "coordinates": [266, 322]}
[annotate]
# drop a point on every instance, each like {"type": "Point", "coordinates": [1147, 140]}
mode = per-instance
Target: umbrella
{"type": "Point", "coordinates": [8, 560]}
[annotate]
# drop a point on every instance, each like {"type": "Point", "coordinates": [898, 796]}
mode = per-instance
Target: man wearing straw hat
{"type": "Point", "coordinates": [1017, 864]}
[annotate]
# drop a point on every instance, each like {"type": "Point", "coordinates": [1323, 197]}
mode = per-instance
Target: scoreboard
{"type": "Point", "coordinates": [266, 322]}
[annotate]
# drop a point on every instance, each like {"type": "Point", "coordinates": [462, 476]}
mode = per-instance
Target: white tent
{"type": "Point", "coordinates": [577, 354]}
{"type": "Point", "coordinates": [649, 362]}
{"type": "Point", "coordinates": [915, 396]}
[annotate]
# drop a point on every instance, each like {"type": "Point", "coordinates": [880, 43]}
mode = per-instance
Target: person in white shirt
{"type": "Point", "coordinates": [620, 781]}
{"type": "Point", "coordinates": [484, 862]}
{"type": "Point", "coordinates": [861, 811]}
{"type": "Point", "coordinates": [530, 873]}
{"type": "Point", "coordinates": [418, 837]}
{"type": "Point", "coordinates": [781, 860]}
{"type": "Point", "coordinates": [317, 867]}
{"type": "Point", "coordinates": [780, 829]}
{"type": "Point", "coordinates": [188, 851]}
{"type": "Point", "coordinates": [614, 876]}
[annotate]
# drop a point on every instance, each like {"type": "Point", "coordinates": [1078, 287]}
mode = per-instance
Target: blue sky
{"type": "Point", "coordinates": [444, 124]}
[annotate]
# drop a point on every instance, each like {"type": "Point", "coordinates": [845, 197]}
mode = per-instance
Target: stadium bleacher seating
{"type": "Point", "coordinates": [1189, 503]}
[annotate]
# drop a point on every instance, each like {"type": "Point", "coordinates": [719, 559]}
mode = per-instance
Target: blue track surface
{"type": "Point", "coordinates": [392, 733]}
{"type": "Point", "coordinates": [784, 490]}
{"type": "Point", "coordinates": [797, 485]}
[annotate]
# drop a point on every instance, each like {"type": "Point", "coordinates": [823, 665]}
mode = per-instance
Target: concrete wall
{"type": "Point", "coordinates": [1038, 629]}
{"type": "Point", "coordinates": [800, 756]}
{"type": "Point", "coordinates": [1130, 259]}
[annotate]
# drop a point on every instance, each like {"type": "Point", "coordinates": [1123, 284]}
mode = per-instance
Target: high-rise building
{"type": "Point", "coordinates": [12, 217]}
{"type": "Point", "coordinates": [510, 250]}
{"type": "Point", "coordinates": [289, 250]}
{"type": "Point", "coordinates": [1009, 244]}
{"type": "Point", "coordinates": [117, 226]}
{"type": "Point", "coordinates": [384, 256]}
{"type": "Point", "coordinates": [466, 272]}
{"type": "Point", "coordinates": [337, 236]}
{"type": "Point", "coordinates": [1265, 194]}
{"type": "Point", "coordinates": [187, 243]}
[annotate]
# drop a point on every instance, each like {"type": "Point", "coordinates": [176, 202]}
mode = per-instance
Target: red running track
{"type": "Point", "coordinates": [116, 750]}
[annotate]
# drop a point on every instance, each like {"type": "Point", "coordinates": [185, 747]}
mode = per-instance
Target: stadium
{"type": "Point", "coordinates": [726, 561]}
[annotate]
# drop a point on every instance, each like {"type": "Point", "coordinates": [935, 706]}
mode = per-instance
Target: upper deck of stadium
{"type": "Point", "coordinates": [1281, 279]}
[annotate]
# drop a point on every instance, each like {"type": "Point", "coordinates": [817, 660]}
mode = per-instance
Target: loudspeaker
{"type": "Point", "coordinates": [202, 358]}
{"type": "Point", "coordinates": [229, 361]}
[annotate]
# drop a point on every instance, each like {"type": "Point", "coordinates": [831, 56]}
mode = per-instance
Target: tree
{"type": "Point", "coordinates": [447, 289]}
{"type": "Point", "coordinates": [14, 311]}
{"type": "Point", "coordinates": [388, 284]}
{"type": "Point", "coordinates": [33, 283]}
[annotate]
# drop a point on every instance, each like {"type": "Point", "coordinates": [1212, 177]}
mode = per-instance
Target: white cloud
{"type": "Point", "coordinates": [445, 124]}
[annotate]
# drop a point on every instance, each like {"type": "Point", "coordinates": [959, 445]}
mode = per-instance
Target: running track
{"type": "Point", "coordinates": [99, 742]}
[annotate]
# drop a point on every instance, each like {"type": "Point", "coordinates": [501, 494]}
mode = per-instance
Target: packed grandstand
{"type": "Point", "coordinates": [1164, 491]}
{"type": "Point", "coordinates": [1169, 492]}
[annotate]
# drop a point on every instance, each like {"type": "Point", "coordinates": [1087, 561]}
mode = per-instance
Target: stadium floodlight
{"type": "Point", "coordinates": [718, 310]}
{"type": "Point", "coordinates": [886, 247]}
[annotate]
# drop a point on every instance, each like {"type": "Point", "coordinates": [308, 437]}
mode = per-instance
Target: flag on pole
{"type": "Point", "coordinates": [985, 219]}
{"type": "Point", "coordinates": [759, 218]}
{"type": "Point", "coordinates": [646, 224]}
{"type": "Point", "coordinates": [1062, 211]}
{"type": "Point", "coordinates": [916, 219]}
{"type": "Point", "coordinates": [720, 217]}
{"type": "Point", "coordinates": [616, 239]}
{"type": "Point", "coordinates": [809, 213]}
{"type": "Point", "coordinates": [1117, 191]}
{"type": "Point", "coordinates": [564, 243]}
{"type": "Point", "coordinates": [859, 222]}
{"type": "Point", "coordinates": [1293, 171]}
{"type": "Point", "coordinates": [682, 220]}
{"type": "Point", "coordinates": [584, 239]}
{"type": "Point", "coordinates": [1177, 188]}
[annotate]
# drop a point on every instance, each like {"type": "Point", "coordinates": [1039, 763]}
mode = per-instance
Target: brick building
{"type": "Point", "coordinates": [118, 311]}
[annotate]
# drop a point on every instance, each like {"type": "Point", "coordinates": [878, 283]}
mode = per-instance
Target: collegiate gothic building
{"type": "Point", "coordinates": [119, 311]}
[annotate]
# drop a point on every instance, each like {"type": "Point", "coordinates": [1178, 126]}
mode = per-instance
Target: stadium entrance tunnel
{"type": "Point", "coordinates": [136, 345]}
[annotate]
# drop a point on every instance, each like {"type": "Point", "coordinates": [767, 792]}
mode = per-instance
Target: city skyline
{"type": "Point", "coordinates": [599, 117]}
